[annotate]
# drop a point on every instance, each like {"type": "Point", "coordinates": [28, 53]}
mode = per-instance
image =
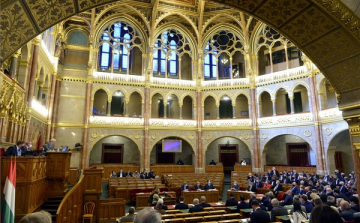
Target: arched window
{"type": "Point", "coordinates": [173, 59]}
{"type": "Point", "coordinates": [116, 48]}
{"type": "Point", "coordinates": [210, 65]}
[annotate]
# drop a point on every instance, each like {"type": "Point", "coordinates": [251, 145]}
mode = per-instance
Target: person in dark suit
{"type": "Point", "coordinates": [278, 187]}
{"type": "Point", "coordinates": [354, 201]}
{"type": "Point", "coordinates": [274, 172]}
{"type": "Point", "coordinates": [151, 174]}
{"type": "Point", "coordinates": [258, 183]}
{"type": "Point", "coordinates": [288, 198]}
{"type": "Point", "coordinates": [25, 147]}
{"type": "Point", "coordinates": [235, 186]}
{"type": "Point", "coordinates": [181, 205]}
{"type": "Point", "coordinates": [198, 186]}
{"type": "Point", "coordinates": [185, 187]}
{"type": "Point", "coordinates": [343, 189]}
{"type": "Point", "coordinates": [212, 162]}
{"type": "Point", "coordinates": [121, 173]}
{"type": "Point", "coordinates": [258, 215]}
{"type": "Point", "coordinates": [346, 212]}
{"type": "Point", "coordinates": [180, 162]}
{"type": "Point", "coordinates": [277, 210]}
{"type": "Point", "coordinates": [251, 187]}
{"type": "Point", "coordinates": [128, 173]}
{"type": "Point", "coordinates": [294, 189]}
{"type": "Point", "coordinates": [209, 185]}
{"type": "Point", "coordinates": [285, 180]}
{"type": "Point", "coordinates": [130, 217]}
{"type": "Point", "coordinates": [14, 150]}
{"type": "Point", "coordinates": [242, 204]}
{"type": "Point", "coordinates": [232, 201]}
{"type": "Point", "coordinates": [304, 202]}
{"type": "Point", "coordinates": [196, 207]}
{"type": "Point", "coordinates": [203, 202]}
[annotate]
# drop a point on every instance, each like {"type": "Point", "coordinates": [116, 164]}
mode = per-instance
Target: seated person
{"type": "Point", "coordinates": [112, 174]}
{"type": "Point", "coordinates": [14, 150]}
{"type": "Point", "coordinates": [181, 205]}
{"type": "Point", "coordinates": [151, 197]}
{"type": "Point", "coordinates": [41, 216]}
{"type": "Point", "coordinates": [136, 174]}
{"type": "Point", "coordinates": [160, 207]}
{"type": "Point", "coordinates": [26, 147]}
{"type": "Point", "coordinates": [128, 173]}
{"type": "Point", "coordinates": [235, 186]}
{"type": "Point", "coordinates": [197, 207]}
{"type": "Point", "coordinates": [266, 201]}
{"type": "Point", "coordinates": [242, 204]}
{"type": "Point", "coordinates": [143, 174]}
{"type": "Point", "coordinates": [277, 188]}
{"type": "Point", "coordinates": [130, 217]}
{"type": "Point", "coordinates": [209, 186]}
{"type": "Point", "coordinates": [277, 210]}
{"type": "Point", "coordinates": [231, 201]}
{"type": "Point", "coordinates": [198, 186]}
{"type": "Point", "coordinates": [288, 198]}
{"type": "Point", "coordinates": [298, 214]}
{"type": "Point", "coordinates": [180, 162]}
{"type": "Point", "coordinates": [50, 146]}
{"type": "Point", "coordinates": [121, 173]}
{"type": "Point", "coordinates": [212, 162]}
{"type": "Point", "coordinates": [258, 215]}
{"type": "Point", "coordinates": [354, 201]}
{"type": "Point", "coordinates": [251, 187]}
{"type": "Point", "coordinates": [185, 187]}
{"type": "Point", "coordinates": [346, 212]}
{"type": "Point", "coordinates": [203, 202]}
{"type": "Point", "coordinates": [304, 202]}
{"type": "Point", "coordinates": [243, 162]}
{"type": "Point", "coordinates": [266, 185]}
{"type": "Point", "coordinates": [151, 174]}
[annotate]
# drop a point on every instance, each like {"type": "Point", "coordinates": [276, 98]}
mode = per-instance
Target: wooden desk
{"type": "Point", "coordinates": [142, 199]}
{"type": "Point", "coordinates": [237, 194]}
{"type": "Point", "coordinates": [238, 167]}
{"type": "Point", "coordinates": [108, 168]}
{"type": "Point", "coordinates": [218, 168]}
{"type": "Point", "coordinates": [161, 169]}
{"type": "Point", "coordinates": [211, 196]}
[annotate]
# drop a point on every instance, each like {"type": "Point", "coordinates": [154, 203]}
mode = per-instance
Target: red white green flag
{"type": "Point", "coordinates": [8, 197]}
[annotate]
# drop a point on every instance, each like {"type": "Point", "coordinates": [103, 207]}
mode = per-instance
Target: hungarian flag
{"type": "Point", "coordinates": [8, 197]}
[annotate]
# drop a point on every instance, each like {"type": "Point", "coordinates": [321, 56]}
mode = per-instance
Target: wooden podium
{"type": "Point", "coordinates": [37, 178]}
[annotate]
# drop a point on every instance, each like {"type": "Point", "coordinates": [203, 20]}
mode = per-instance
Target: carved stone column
{"type": "Point", "coordinates": [233, 110]}
{"type": "Point", "coordinates": [145, 161]}
{"type": "Point", "coordinates": [200, 164]}
{"type": "Point", "coordinates": [259, 109]}
{"type": "Point", "coordinates": [85, 151]}
{"type": "Point", "coordinates": [165, 109]}
{"type": "Point", "coordinates": [274, 107]}
{"type": "Point", "coordinates": [127, 107]}
{"type": "Point", "coordinates": [354, 128]}
{"type": "Point", "coordinates": [51, 106]}
{"type": "Point", "coordinates": [291, 98]}
{"type": "Point", "coordinates": [180, 110]}
{"type": "Point", "coordinates": [33, 69]}
{"type": "Point", "coordinates": [14, 64]}
{"type": "Point", "coordinates": [252, 113]}
{"type": "Point", "coordinates": [257, 165]}
{"type": "Point", "coordinates": [217, 111]}
{"type": "Point", "coordinates": [108, 108]}
{"type": "Point", "coordinates": [55, 107]}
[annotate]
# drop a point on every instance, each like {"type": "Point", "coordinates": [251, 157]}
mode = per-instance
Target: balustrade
{"type": "Point", "coordinates": [284, 75]}
{"type": "Point", "coordinates": [172, 123]}
{"type": "Point", "coordinates": [226, 123]}
{"type": "Point", "coordinates": [118, 77]}
{"type": "Point", "coordinates": [172, 82]}
{"type": "Point", "coordinates": [286, 119]}
{"type": "Point", "coordinates": [108, 120]}
{"type": "Point", "coordinates": [332, 114]}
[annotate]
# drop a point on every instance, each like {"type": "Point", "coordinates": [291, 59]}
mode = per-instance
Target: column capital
{"type": "Point", "coordinates": [37, 40]}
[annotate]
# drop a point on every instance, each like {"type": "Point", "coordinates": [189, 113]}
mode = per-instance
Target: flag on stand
{"type": "Point", "coordinates": [39, 142]}
{"type": "Point", "coordinates": [8, 197]}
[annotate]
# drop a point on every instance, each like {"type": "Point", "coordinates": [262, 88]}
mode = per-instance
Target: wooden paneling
{"type": "Point", "coordinates": [237, 194]}
{"type": "Point", "coordinates": [218, 168]}
{"type": "Point", "coordinates": [305, 169]}
{"type": "Point", "coordinates": [73, 176]}
{"type": "Point", "coordinates": [238, 167]}
{"type": "Point", "coordinates": [92, 180]}
{"type": "Point", "coordinates": [211, 196]}
{"type": "Point", "coordinates": [108, 168]}
{"type": "Point", "coordinates": [31, 183]}
{"type": "Point", "coordinates": [71, 207]}
{"type": "Point", "coordinates": [57, 172]}
{"type": "Point", "coordinates": [142, 198]}
{"type": "Point", "coordinates": [161, 169]}
{"type": "Point", "coordinates": [111, 209]}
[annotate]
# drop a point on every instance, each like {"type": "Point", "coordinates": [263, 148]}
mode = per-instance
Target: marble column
{"type": "Point", "coordinates": [180, 111]}
{"type": "Point", "coordinates": [55, 107]}
{"type": "Point", "coordinates": [271, 63]}
{"type": "Point", "coordinates": [200, 164]}
{"type": "Point", "coordinates": [257, 164]}
{"type": "Point", "coordinates": [250, 111]}
{"type": "Point", "coordinates": [274, 107]}
{"type": "Point", "coordinates": [217, 111]}
{"type": "Point", "coordinates": [51, 105]}
{"type": "Point", "coordinates": [165, 109]}
{"type": "Point", "coordinates": [108, 108]}
{"type": "Point", "coordinates": [233, 111]}
{"type": "Point", "coordinates": [127, 108]}
{"type": "Point", "coordinates": [354, 128]}
{"type": "Point", "coordinates": [259, 109]}
{"type": "Point", "coordinates": [85, 149]}
{"type": "Point", "coordinates": [14, 64]}
{"type": "Point", "coordinates": [33, 70]}
{"type": "Point", "coordinates": [145, 161]}
{"type": "Point", "coordinates": [292, 104]}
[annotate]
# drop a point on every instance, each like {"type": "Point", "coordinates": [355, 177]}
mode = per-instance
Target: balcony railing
{"type": "Point", "coordinates": [119, 77]}
{"type": "Point", "coordinates": [173, 82]}
{"type": "Point", "coordinates": [123, 121]}
{"type": "Point", "coordinates": [283, 75]}
{"type": "Point", "coordinates": [286, 119]}
{"type": "Point", "coordinates": [39, 108]}
{"type": "Point", "coordinates": [218, 123]}
{"type": "Point", "coordinates": [172, 123]}
{"type": "Point", "coordinates": [331, 115]}
{"type": "Point", "coordinates": [241, 82]}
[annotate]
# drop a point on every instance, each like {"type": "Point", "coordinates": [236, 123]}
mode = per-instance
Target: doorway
{"type": "Point", "coordinates": [164, 158]}
{"type": "Point", "coordinates": [112, 153]}
{"type": "Point", "coordinates": [228, 155]}
{"type": "Point", "coordinates": [298, 154]}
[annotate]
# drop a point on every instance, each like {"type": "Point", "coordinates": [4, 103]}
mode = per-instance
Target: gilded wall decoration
{"type": "Point", "coordinates": [46, 12]}
{"type": "Point", "coordinates": [310, 25]}
{"type": "Point", "coordinates": [190, 136]}
{"type": "Point", "coordinates": [328, 131]}
{"type": "Point", "coordinates": [86, 4]}
{"type": "Point", "coordinates": [306, 132]}
{"type": "Point", "coordinates": [137, 135]}
{"type": "Point", "coordinates": [337, 40]}
{"type": "Point", "coordinates": [36, 128]}
{"type": "Point", "coordinates": [280, 11]}
{"type": "Point", "coordinates": [264, 136]}
{"type": "Point", "coordinates": [244, 4]}
{"type": "Point", "coordinates": [15, 28]}
{"type": "Point", "coordinates": [208, 136]}
{"type": "Point", "coordinates": [154, 136]}
{"type": "Point", "coordinates": [245, 136]}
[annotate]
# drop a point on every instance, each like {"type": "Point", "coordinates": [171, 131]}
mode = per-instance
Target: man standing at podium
{"type": "Point", "coordinates": [15, 150]}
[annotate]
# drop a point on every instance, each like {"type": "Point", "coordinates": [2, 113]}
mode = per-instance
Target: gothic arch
{"type": "Point", "coordinates": [95, 89]}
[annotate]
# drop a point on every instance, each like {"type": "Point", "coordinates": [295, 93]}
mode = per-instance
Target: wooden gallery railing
{"type": "Point", "coordinates": [71, 207]}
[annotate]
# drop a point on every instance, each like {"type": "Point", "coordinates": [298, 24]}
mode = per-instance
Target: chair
{"type": "Point", "coordinates": [182, 215]}
{"type": "Point", "coordinates": [202, 213]}
{"type": "Point", "coordinates": [231, 216]}
{"type": "Point", "coordinates": [174, 220]}
{"type": "Point", "coordinates": [194, 219]}
{"type": "Point", "coordinates": [167, 216]}
{"type": "Point", "coordinates": [213, 217]}
{"type": "Point", "coordinates": [173, 211]}
{"type": "Point", "coordinates": [88, 212]}
{"type": "Point", "coordinates": [357, 217]}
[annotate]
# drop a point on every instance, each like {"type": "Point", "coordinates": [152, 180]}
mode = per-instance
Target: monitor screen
{"type": "Point", "coordinates": [171, 146]}
{"type": "Point", "coordinates": [64, 149]}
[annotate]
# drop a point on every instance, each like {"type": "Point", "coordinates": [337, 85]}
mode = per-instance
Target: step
{"type": "Point", "coordinates": [50, 206]}
{"type": "Point", "coordinates": [56, 198]}
{"type": "Point", "coordinates": [51, 211]}
{"type": "Point", "coordinates": [52, 202]}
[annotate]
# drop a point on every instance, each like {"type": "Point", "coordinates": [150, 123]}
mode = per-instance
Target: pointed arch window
{"type": "Point", "coordinates": [105, 53]}
{"type": "Point", "coordinates": [210, 64]}
{"type": "Point", "coordinates": [173, 59]}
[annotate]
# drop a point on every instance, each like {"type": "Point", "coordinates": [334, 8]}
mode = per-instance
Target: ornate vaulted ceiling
{"type": "Point", "coordinates": [326, 30]}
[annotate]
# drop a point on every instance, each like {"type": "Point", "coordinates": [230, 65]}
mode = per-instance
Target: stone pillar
{"type": "Point", "coordinates": [257, 164]}
{"type": "Point", "coordinates": [320, 95]}
{"type": "Point", "coordinates": [165, 109]}
{"type": "Point", "coordinates": [179, 68]}
{"type": "Point", "coordinates": [259, 109]}
{"type": "Point", "coordinates": [14, 64]}
{"type": "Point", "coordinates": [274, 106]}
{"type": "Point", "coordinates": [51, 105]}
{"type": "Point", "coordinates": [108, 108]}
{"type": "Point", "coordinates": [200, 164]}
{"type": "Point", "coordinates": [85, 148]}
{"type": "Point", "coordinates": [330, 159]}
{"type": "Point", "coordinates": [180, 110]}
{"type": "Point", "coordinates": [55, 107]}
{"type": "Point", "coordinates": [127, 107]}
{"type": "Point", "coordinates": [145, 161]}
{"type": "Point", "coordinates": [217, 111]}
{"type": "Point", "coordinates": [291, 98]}
{"type": "Point", "coordinates": [354, 128]}
{"type": "Point", "coordinates": [142, 108]}
{"type": "Point", "coordinates": [271, 63]}
{"type": "Point", "coordinates": [33, 69]}
{"type": "Point", "coordinates": [320, 165]}
{"type": "Point", "coordinates": [233, 110]}
{"type": "Point", "coordinates": [286, 56]}
{"type": "Point", "coordinates": [250, 112]}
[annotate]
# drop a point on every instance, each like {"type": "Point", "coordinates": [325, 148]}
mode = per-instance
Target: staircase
{"type": "Point", "coordinates": [51, 206]}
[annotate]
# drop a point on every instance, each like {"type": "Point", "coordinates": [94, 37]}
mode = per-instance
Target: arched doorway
{"type": "Point", "coordinates": [229, 151]}
{"type": "Point", "coordinates": [186, 154]}
{"type": "Point", "coordinates": [288, 150]}
{"type": "Point", "coordinates": [339, 153]}
{"type": "Point", "coordinates": [114, 149]}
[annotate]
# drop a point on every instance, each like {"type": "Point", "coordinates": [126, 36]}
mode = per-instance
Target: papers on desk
{"type": "Point", "coordinates": [219, 203]}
